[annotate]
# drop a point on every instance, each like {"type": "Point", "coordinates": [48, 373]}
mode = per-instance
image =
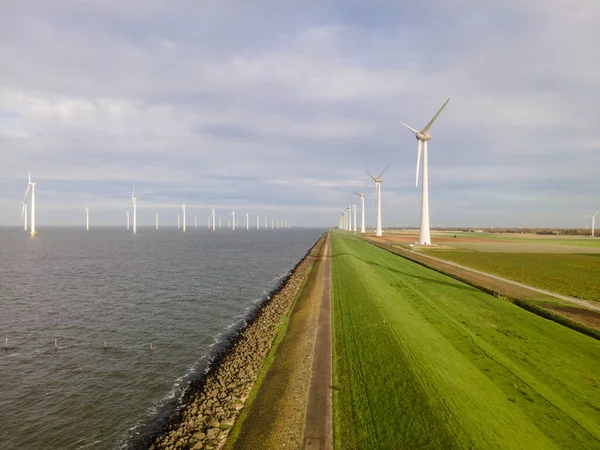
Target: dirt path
{"type": "Point", "coordinates": [422, 258]}
{"type": "Point", "coordinates": [318, 425]}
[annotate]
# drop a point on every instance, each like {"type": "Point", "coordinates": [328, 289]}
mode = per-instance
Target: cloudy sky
{"type": "Point", "coordinates": [278, 108]}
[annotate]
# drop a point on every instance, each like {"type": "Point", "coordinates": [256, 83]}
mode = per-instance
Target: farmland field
{"type": "Point", "coordinates": [422, 360]}
{"type": "Point", "coordinates": [577, 275]}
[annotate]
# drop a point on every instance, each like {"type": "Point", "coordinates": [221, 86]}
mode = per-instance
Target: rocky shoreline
{"type": "Point", "coordinates": [214, 405]}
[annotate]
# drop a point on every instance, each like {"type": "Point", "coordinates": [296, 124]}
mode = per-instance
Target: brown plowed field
{"type": "Point", "coordinates": [584, 316]}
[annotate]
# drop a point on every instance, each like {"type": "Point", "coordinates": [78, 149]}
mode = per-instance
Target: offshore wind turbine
{"type": "Point", "coordinates": [87, 218]}
{"type": "Point", "coordinates": [134, 201]}
{"type": "Point", "coordinates": [195, 223]}
{"type": "Point", "coordinates": [33, 232]}
{"type": "Point", "coordinates": [233, 218]}
{"type": "Point", "coordinates": [219, 222]}
{"type": "Point", "coordinates": [212, 213]}
{"type": "Point", "coordinates": [183, 208]}
{"type": "Point", "coordinates": [378, 181]}
{"type": "Point", "coordinates": [362, 210]}
{"type": "Point", "coordinates": [157, 221]}
{"type": "Point", "coordinates": [24, 203]}
{"type": "Point", "coordinates": [422, 137]}
{"type": "Point", "coordinates": [178, 222]}
{"type": "Point", "coordinates": [257, 222]}
{"type": "Point", "coordinates": [247, 221]}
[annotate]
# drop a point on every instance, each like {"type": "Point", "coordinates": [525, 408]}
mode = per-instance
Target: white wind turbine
{"type": "Point", "coordinates": [24, 203]}
{"type": "Point", "coordinates": [362, 210]}
{"type": "Point", "coordinates": [233, 219]}
{"type": "Point", "coordinates": [378, 181]}
{"type": "Point", "coordinates": [127, 215]}
{"type": "Point", "coordinates": [183, 209]}
{"type": "Point", "coordinates": [87, 218]}
{"type": "Point", "coordinates": [32, 184]}
{"type": "Point", "coordinates": [157, 221]}
{"type": "Point", "coordinates": [354, 212]}
{"type": "Point", "coordinates": [257, 222]}
{"type": "Point", "coordinates": [212, 214]}
{"type": "Point", "coordinates": [247, 221]}
{"type": "Point", "coordinates": [422, 137]}
{"type": "Point", "coordinates": [219, 222]}
{"type": "Point", "coordinates": [134, 201]}
{"type": "Point", "coordinates": [594, 223]}
{"type": "Point", "coordinates": [178, 222]}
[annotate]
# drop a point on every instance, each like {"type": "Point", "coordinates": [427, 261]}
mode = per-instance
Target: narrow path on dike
{"type": "Point", "coordinates": [318, 425]}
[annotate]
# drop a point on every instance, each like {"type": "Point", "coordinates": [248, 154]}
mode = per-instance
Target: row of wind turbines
{"type": "Point", "coordinates": [346, 221]}
{"type": "Point", "coordinates": [349, 213]}
{"type": "Point", "coordinates": [276, 222]}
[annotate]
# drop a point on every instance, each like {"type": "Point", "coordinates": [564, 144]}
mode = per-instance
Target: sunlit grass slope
{"type": "Point", "coordinates": [569, 274]}
{"type": "Point", "coordinates": [424, 361]}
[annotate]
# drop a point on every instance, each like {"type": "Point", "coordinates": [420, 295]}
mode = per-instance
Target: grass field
{"type": "Point", "coordinates": [424, 361]}
{"type": "Point", "coordinates": [577, 275]}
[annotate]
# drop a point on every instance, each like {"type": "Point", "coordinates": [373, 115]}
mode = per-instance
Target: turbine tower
{"type": "Point", "coordinates": [422, 137]}
{"type": "Point", "coordinates": [233, 218]}
{"type": "Point", "coordinates": [183, 209]}
{"type": "Point", "coordinates": [257, 222]}
{"type": "Point", "coordinates": [378, 181]}
{"type": "Point", "coordinates": [212, 213]}
{"type": "Point", "coordinates": [362, 210]}
{"type": "Point", "coordinates": [247, 221]}
{"type": "Point", "coordinates": [32, 184]}
{"type": "Point", "coordinates": [178, 222]}
{"type": "Point", "coordinates": [134, 201]}
{"type": "Point", "coordinates": [87, 218]}
{"type": "Point", "coordinates": [157, 221]}
{"type": "Point", "coordinates": [594, 223]}
{"type": "Point", "coordinates": [354, 212]}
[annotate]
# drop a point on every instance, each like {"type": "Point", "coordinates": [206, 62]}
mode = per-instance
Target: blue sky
{"type": "Point", "coordinates": [277, 108]}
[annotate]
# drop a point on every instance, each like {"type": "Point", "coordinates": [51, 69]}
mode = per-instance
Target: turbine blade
{"type": "Point", "coordinates": [386, 168]}
{"type": "Point", "coordinates": [410, 128]}
{"type": "Point", "coordinates": [419, 144]}
{"type": "Point", "coordinates": [374, 179]}
{"type": "Point", "coordinates": [428, 126]}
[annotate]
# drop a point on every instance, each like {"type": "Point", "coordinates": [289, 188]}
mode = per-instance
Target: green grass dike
{"type": "Point", "coordinates": [422, 360]}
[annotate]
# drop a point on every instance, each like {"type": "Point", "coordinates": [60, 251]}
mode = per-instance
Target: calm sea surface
{"type": "Point", "coordinates": [181, 292]}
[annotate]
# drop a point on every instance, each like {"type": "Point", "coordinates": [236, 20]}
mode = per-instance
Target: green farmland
{"type": "Point", "coordinates": [422, 360]}
{"type": "Point", "coordinates": [569, 274]}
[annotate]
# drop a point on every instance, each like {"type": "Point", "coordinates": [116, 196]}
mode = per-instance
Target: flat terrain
{"type": "Point", "coordinates": [576, 275]}
{"type": "Point", "coordinates": [422, 360]}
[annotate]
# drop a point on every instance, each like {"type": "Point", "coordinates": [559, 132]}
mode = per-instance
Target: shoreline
{"type": "Point", "coordinates": [213, 401]}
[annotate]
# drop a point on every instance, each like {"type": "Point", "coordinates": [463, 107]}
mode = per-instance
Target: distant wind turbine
{"type": "Point", "coordinates": [354, 212]}
{"type": "Point", "coordinates": [594, 223]}
{"type": "Point", "coordinates": [157, 221]}
{"type": "Point", "coordinates": [183, 209]}
{"type": "Point", "coordinates": [378, 181]}
{"type": "Point", "coordinates": [247, 221]}
{"type": "Point", "coordinates": [195, 222]}
{"type": "Point", "coordinates": [134, 201]}
{"type": "Point", "coordinates": [422, 137]}
{"type": "Point", "coordinates": [362, 210]}
{"type": "Point", "coordinates": [33, 231]}
{"type": "Point", "coordinates": [212, 213]}
{"type": "Point", "coordinates": [87, 218]}
{"type": "Point", "coordinates": [257, 222]}
{"type": "Point", "coordinates": [178, 222]}
{"type": "Point", "coordinates": [24, 203]}
{"type": "Point", "coordinates": [233, 218]}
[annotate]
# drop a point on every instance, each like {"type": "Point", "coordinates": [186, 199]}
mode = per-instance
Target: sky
{"type": "Point", "coordinates": [277, 108]}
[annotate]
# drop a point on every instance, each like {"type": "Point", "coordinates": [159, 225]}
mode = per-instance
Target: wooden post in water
{"type": "Point", "coordinates": [105, 346]}
{"type": "Point", "coordinates": [55, 344]}
{"type": "Point", "coordinates": [150, 347]}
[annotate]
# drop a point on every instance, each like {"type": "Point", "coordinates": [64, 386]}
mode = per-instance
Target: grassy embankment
{"type": "Point", "coordinates": [423, 360]}
{"type": "Point", "coordinates": [577, 275]}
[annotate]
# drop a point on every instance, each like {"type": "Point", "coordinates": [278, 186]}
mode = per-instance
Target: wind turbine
{"type": "Point", "coordinates": [233, 219]}
{"type": "Point", "coordinates": [257, 222]}
{"type": "Point", "coordinates": [157, 221]}
{"type": "Point", "coordinates": [87, 218]}
{"type": "Point", "coordinates": [134, 201]}
{"type": "Point", "coordinates": [422, 137]}
{"type": "Point", "coordinates": [127, 214]}
{"type": "Point", "coordinates": [247, 221]}
{"type": "Point", "coordinates": [183, 208]}
{"type": "Point", "coordinates": [178, 222]}
{"type": "Point", "coordinates": [266, 223]}
{"type": "Point", "coordinates": [195, 223]}
{"type": "Point", "coordinates": [32, 184]}
{"type": "Point", "coordinates": [378, 181]}
{"type": "Point", "coordinates": [362, 210]}
{"type": "Point", "coordinates": [594, 222]}
{"type": "Point", "coordinates": [219, 222]}
{"type": "Point", "coordinates": [24, 203]}
{"type": "Point", "coordinates": [354, 211]}
{"type": "Point", "coordinates": [212, 212]}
